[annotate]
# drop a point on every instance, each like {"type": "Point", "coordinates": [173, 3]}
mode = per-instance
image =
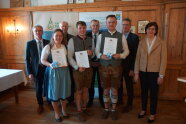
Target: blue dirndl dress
{"type": "Point", "coordinates": [57, 83]}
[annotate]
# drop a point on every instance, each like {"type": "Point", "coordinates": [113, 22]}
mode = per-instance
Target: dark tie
{"type": "Point", "coordinates": [95, 39]}
{"type": "Point", "coordinates": [40, 50]}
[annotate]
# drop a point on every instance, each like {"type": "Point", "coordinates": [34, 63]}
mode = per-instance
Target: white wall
{"type": "Point", "coordinates": [4, 3]}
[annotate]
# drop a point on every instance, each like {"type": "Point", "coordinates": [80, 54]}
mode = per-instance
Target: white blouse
{"type": "Point", "coordinates": [150, 45]}
{"type": "Point", "coordinates": [46, 51]}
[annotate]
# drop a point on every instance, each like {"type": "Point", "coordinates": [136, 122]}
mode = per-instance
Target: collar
{"type": "Point", "coordinates": [126, 35]}
{"type": "Point", "coordinates": [95, 33]}
{"type": "Point", "coordinates": [81, 38]}
{"type": "Point", "coordinates": [112, 33]}
{"type": "Point", "coordinates": [39, 40]}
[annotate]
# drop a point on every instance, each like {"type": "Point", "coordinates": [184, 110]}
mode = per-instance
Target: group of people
{"type": "Point", "coordinates": [133, 61]}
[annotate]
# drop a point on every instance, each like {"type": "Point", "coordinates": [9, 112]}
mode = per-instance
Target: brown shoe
{"type": "Point", "coordinates": [105, 114]}
{"type": "Point", "coordinates": [40, 109]}
{"type": "Point", "coordinates": [114, 115]}
{"type": "Point", "coordinates": [81, 117]}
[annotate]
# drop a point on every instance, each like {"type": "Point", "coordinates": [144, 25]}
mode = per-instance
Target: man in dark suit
{"type": "Point", "coordinates": [35, 69]}
{"type": "Point", "coordinates": [64, 27]}
{"type": "Point", "coordinates": [66, 36]}
{"type": "Point", "coordinates": [94, 34]}
{"type": "Point", "coordinates": [128, 65]}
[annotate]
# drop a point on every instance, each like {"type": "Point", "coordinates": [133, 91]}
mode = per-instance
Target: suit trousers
{"type": "Point", "coordinates": [71, 98]}
{"type": "Point", "coordinates": [91, 89]}
{"type": "Point", "coordinates": [38, 79]}
{"type": "Point", "coordinates": [149, 82]}
{"type": "Point", "coordinates": [129, 88]}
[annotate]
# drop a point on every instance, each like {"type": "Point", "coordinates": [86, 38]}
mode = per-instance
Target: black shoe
{"type": "Point", "coordinates": [40, 109]}
{"type": "Point", "coordinates": [141, 115]}
{"type": "Point", "coordinates": [58, 119]}
{"type": "Point", "coordinates": [88, 112]}
{"type": "Point", "coordinates": [150, 121]}
{"type": "Point", "coordinates": [66, 116]}
{"type": "Point", "coordinates": [127, 108]}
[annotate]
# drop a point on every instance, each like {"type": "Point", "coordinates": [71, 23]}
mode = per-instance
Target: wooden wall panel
{"type": "Point", "coordinates": [17, 66]}
{"type": "Point", "coordinates": [170, 88]}
{"type": "Point", "coordinates": [176, 35]}
{"type": "Point", "coordinates": [175, 32]}
{"type": "Point", "coordinates": [14, 44]}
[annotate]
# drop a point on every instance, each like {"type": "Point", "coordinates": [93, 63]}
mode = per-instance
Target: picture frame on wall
{"type": "Point", "coordinates": [80, 1]}
{"type": "Point", "coordinates": [133, 29]}
{"type": "Point", "coordinates": [141, 26]}
{"type": "Point", "coordinates": [70, 1]}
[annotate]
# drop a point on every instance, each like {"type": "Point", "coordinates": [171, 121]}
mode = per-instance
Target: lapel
{"type": "Point", "coordinates": [155, 45]}
{"type": "Point", "coordinates": [144, 45]}
{"type": "Point", "coordinates": [35, 45]}
{"type": "Point", "coordinates": [129, 38]}
{"type": "Point", "coordinates": [44, 43]}
{"type": "Point", "coordinates": [35, 50]}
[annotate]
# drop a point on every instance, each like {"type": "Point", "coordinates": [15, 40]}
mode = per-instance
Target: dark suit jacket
{"type": "Point", "coordinates": [132, 41]}
{"type": "Point", "coordinates": [32, 56]}
{"type": "Point", "coordinates": [69, 36]}
{"type": "Point", "coordinates": [89, 34]}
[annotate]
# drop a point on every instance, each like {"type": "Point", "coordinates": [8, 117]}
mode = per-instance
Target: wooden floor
{"type": "Point", "coordinates": [169, 112]}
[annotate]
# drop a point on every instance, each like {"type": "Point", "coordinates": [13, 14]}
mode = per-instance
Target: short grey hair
{"type": "Point", "coordinates": [37, 25]}
{"type": "Point", "coordinates": [60, 24]}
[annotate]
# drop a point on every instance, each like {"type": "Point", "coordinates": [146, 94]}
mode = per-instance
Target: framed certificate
{"type": "Point", "coordinates": [82, 59]}
{"type": "Point", "coordinates": [80, 1]}
{"type": "Point", "coordinates": [110, 45]}
{"type": "Point", "coordinates": [141, 26]}
{"type": "Point", "coordinates": [59, 56]}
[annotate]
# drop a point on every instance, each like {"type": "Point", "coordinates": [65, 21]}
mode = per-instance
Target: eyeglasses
{"type": "Point", "coordinates": [126, 24]}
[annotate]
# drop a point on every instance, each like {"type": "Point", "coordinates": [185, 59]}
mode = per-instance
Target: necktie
{"type": "Point", "coordinates": [95, 39]}
{"type": "Point", "coordinates": [40, 50]}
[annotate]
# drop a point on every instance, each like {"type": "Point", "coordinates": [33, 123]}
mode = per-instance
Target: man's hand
{"type": "Point", "coordinates": [116, 56]}
{"type": "Point", "coordinates": [31, 77]}
{"type": "Point", "coordinates": [104, 57]}
{"type": "Point", "coordinates": [131, 73]}
{"type": "Point", "coordinates": [136, 77]}
{"type": "Point", "coordinates": [81, 69]}
{"type": "Point", "coordinates": [54, 65]}
{"type": "Point", "coordinates": [159, 81]}
{"type": "Point", "coordinates": [89, 52]}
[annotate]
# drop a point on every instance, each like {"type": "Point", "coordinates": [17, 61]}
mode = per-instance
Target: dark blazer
{"type": "Point", "coordinates": [69, 36]}
{"type": "Point", "coordinates": [132, 41]}
{"type": "Point", "coordinates": [89, 34]}
{"type": "Point", "coordinates": [32, 56]}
